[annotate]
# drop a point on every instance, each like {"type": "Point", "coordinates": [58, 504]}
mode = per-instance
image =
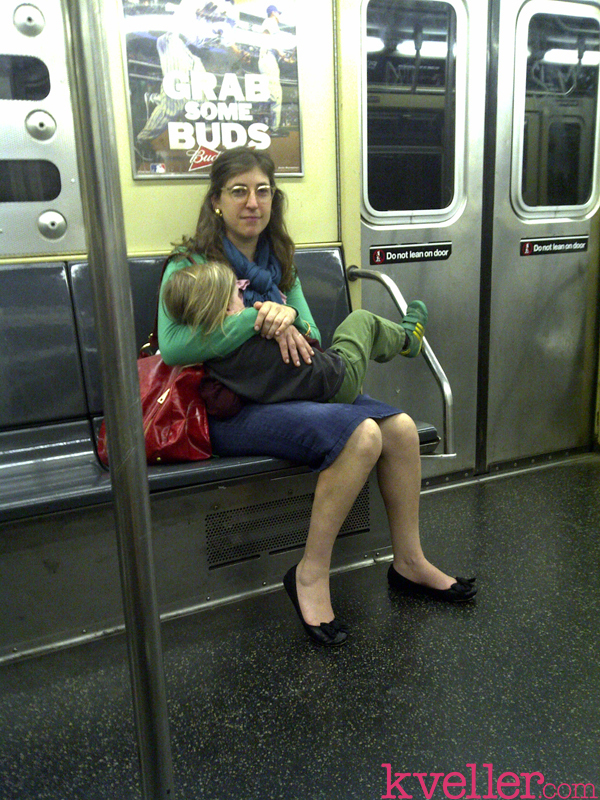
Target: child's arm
{"type": "Point", "coordinates": [179, 345]}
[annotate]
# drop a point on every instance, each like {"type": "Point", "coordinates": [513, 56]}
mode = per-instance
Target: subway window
{"type": "Point", "coordinates": [28, 180]}
{"type": "Point", "coordinates": [23, 78]}
{"type": "Point", "coordinates": [409, 134]}
{"type": "Point", "coordinates": [559, 109]}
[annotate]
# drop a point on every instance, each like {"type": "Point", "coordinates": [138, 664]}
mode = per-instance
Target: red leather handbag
{"type": "Point", "coordinates": [175, 420]}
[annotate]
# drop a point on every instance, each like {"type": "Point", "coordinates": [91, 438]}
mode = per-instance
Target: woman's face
{"type": "Point", "coordinates": [245, 202]}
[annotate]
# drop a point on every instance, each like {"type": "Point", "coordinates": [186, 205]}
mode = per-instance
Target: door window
{"type": "Point", "coordinates": [410, 132]}
{"type": "Point", "coordinates": [23, 78]}
{"type": "Point", "coordinates": [556, 102]}
{"type": "Point", "coordinates": [28, 180]}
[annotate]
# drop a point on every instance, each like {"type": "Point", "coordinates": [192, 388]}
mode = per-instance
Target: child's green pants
{"type": "Point", "coordinates": [364, 337]}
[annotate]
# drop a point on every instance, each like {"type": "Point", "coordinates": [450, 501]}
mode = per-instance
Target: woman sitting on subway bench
{"type": "Point", "coordinates": [241, 223]}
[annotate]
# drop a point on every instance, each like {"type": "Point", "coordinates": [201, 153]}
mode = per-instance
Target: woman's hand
{"type": "Point", "coordinates": [273, 318]}
{"type": "Point", "coordinates": [294, 347]}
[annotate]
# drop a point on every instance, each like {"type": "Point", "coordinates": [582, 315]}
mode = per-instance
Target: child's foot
{"type": "Point", "coordinates": [414, 324]}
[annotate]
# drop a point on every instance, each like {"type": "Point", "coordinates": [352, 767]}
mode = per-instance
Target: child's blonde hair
{"type": "Point", "coordinates": [199, 295]}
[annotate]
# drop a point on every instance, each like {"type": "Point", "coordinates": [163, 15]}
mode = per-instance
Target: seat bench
{"type": "Point", "coordinates": [48, 419]}
{"type": "Point", "coordinates": [222, 529]}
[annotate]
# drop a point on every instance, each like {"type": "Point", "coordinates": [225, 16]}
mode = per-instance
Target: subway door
{"type": "Point", "coordinates": [422, 83]}
{"type": "Point", "coordinates": [544, 278]}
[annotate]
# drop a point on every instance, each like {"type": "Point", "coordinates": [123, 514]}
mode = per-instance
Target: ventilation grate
{"type": "Point", "coordinates": [242, 533]}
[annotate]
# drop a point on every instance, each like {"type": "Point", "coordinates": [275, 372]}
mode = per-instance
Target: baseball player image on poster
{"type": "Point", "coordinates": [208, 76]}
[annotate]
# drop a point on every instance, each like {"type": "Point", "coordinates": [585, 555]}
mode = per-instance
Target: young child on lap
{"type": "Point", "coordinates": [203, 295]}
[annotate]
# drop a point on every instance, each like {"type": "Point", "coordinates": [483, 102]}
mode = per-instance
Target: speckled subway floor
{"type": "Point", "coordinates": [256, 711]}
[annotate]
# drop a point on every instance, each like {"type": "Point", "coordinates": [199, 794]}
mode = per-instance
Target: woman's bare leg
{"type": "Point", "coordinates": [399, 473]}
{"type": "Point", "coordinates": [337, 489]}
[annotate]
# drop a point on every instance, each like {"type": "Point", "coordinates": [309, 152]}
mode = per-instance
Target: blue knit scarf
{"type": "Point", "coordinates": [264, 273]}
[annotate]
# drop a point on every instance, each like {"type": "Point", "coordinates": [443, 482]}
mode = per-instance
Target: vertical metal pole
{"type": "Point", "coordinates": [336, 111]}
{"type": "Point", "coordinates": [87, 56]}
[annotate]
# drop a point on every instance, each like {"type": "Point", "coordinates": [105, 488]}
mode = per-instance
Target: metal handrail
{"type": "Point", "coordinates": [356, 273]}
{"type": "Point", "coordinates": [97, 153]}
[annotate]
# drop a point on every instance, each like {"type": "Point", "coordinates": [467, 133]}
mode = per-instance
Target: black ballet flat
{"type": "Point", "coordinates": [328, 634]}
{"type": "Point", "coordinates": [460, 592]}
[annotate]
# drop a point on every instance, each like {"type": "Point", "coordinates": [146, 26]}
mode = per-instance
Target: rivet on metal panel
{"type": "Point", "coordinates": [40, 125]}
{"type": "Point", "coordinates": [52, 225]}
{"type": "Point", "coordinates": [29, 20]}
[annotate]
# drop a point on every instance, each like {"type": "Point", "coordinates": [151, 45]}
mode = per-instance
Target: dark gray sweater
{"type": "Point", "coordinates": [257, 372]}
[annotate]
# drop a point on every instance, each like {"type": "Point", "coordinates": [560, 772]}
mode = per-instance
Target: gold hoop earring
{"type": "Point", "coordinates": [218, 212]}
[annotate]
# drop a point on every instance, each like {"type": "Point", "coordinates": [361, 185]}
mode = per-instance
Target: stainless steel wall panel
{"type": "Point", "coordinates": [543, 349]}
{"type": "Point", "coordinates": [39, 130]}
{"type": "Point", "coordinates": [450, 288]}
{"type": "Point", "coordinates": [543, 310]}
{"type": "Point", "coordinates": [451, 291]}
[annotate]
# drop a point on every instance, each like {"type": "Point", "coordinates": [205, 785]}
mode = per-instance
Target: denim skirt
{"type": "Point", "coordinates": [302, 431]}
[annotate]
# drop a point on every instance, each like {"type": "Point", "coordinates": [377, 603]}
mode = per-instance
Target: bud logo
{"type": "Point", "coordinates": [202, 157]}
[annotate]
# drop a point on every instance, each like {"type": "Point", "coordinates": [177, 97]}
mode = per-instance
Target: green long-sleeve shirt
{"type": "Point", "coordinates": [180, 345]}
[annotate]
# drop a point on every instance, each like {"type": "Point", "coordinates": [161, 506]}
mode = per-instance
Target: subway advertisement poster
{"type": "Point", "coordinates": [208, 76]}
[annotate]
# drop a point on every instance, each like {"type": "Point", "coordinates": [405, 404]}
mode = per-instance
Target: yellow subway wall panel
{"type": "Point", "coordinates": [158, 212]}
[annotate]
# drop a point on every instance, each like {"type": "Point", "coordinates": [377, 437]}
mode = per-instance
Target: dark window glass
{"type": "Point", "coordinates": [564, 149]}
{"type": "Point", "coordinates": [410, 104]}
{"type": "Point", "coordinates": [23, 78]}
{"type": "Point", "coordinates": [28, 181]}
{"type": "Point", "coordinates": [560, 110]}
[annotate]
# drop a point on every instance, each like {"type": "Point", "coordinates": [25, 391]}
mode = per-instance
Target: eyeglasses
{"type": "Point", "coordinates": [240, 192]}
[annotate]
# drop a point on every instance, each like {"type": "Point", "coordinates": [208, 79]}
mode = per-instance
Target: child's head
{"type": "Point", "coordinates": [199, 295]}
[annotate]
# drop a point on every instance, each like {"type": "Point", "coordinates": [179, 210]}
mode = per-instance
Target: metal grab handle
{"type": "Point", "coordinates": [354, 273]}
{"type": "Point", "coordinates": [88, 60]}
